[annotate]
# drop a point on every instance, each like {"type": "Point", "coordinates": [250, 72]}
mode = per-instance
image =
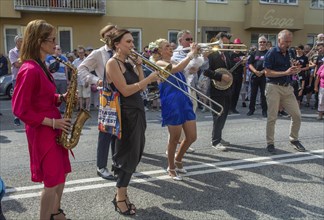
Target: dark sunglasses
{"type": "Point", "coordinates": [262, 42]}
{"type": "Point", "coordinates": [189, 39]}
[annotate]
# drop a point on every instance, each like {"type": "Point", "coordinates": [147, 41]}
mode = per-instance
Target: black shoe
{"type": "Point", "coordinates": [243, 104]}
{"type": "Point", "coordinates": [17, 121]}
{"type": "Point", "coordinates": [235, 111]}
{"type": "Point", "coordinates": [105, 174]}
{"type": "Point", "coordinates": [283, 113]}
{"type": "Point", "coordinates": [250, 113]}
{"type": "Point", "coordinates": [264, 114]}
{"type": "Point", "coordinates": [271, 149]}
{"type": "Point", "coordinates": [298, 146]}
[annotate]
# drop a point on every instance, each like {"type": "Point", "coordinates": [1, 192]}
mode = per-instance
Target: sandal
{"type": "Point", "coordinates": [130, 205]}
{"type": "Point", "coordinates": [60, 212]}
{"type": "Point", "coordinates": [179, 167]}
{"type": "Point", "coordinates": [128, 211]}
{"type": "Point", "coordinates": [174, 175]}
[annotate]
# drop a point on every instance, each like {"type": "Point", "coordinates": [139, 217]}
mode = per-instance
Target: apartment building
{"type": "Point", "coordinates": [78, 21]}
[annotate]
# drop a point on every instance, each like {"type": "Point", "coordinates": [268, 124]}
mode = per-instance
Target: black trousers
{"type": "Point", "coordinates": [219, 121]}
{"type": "Point", "coordinates": [105, 140]}
{"type": "Point", "coordinates": [256, 83]}
{"type": "Point", "coordinates": [123, 178]}
{"type": "Point", "coordinates": [236, 90]}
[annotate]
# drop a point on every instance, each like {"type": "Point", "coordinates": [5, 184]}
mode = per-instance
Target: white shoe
{"type": "Point", "coordinates": [105, 174]}
{"type": "Point", "coordinates": [219, 147]}
{"type": "Point", "coordinates": [225, 143]}
{"type": "Point", "coordinates": [190, 150]}
{"type": "Point", "coordinates": [179, 167]}
{"type": "Point", "coordinates": [176, 177]}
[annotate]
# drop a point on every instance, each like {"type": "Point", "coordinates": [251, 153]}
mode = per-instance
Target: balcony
{"type": "Point", "coordinates": [95, 7]}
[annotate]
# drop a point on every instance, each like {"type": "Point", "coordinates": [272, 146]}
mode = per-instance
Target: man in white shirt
{"type": "Point", "coordinates": [96, 61]}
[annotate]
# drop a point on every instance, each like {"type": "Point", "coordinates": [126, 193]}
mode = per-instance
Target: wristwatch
{"type": "Point", "coordinates": [61, 97]}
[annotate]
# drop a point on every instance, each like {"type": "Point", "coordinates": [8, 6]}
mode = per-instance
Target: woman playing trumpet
{"type": "Point", "coordinates": [177, 109]}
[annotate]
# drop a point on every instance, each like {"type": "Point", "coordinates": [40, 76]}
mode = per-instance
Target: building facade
{"type": "Point", "coordinates": [78, 21]}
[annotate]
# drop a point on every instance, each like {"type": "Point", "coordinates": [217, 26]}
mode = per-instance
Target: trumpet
{"type": "Point", "coordinates": [216, 46]}
{"type": "Point", "coordinates": [164, 73]}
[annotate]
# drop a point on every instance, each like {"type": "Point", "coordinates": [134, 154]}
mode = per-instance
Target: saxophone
{"type": "Point", "coordinates": [69, 141]}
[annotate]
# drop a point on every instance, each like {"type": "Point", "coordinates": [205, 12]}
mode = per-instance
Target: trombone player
{"type": "Point", "coordinates": [218, 61]}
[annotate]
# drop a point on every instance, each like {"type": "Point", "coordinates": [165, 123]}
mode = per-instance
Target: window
{"type": "Point", "coordinates": [271, 37]}
{"type": "Point", "coordinates": [65, 39]}
{"type": "Point", "coordinates": [288, 2]}
{"type": "Point", "coordinates": [311, 39]}
{"type": "Point", "coordinates": [172, 36]}
{"type": "Point", "coordinates": [216, 1]}
{"type": "Point", "coordinates": [10, 32]}
{"type": "Point", "coordinates": [317, 4]}
{"type": "Point", "coordinates": [137, 35]}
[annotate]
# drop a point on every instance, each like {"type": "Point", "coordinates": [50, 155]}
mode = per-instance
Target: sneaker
{"type": "Point", "coordinates": [225, 143]}
{"type": "Point", "coordinates": [250, 113]}
{"type": "Point", "coordinates": [219, 146]}
{"type": "Point", "coordinates": [105, 174]}
{"type": "Point", "coordinates": [17, 121]}
{"type": "Point", "coordinates": [298, 146]}
{"type": "Point", "coordinates": [271, 148]}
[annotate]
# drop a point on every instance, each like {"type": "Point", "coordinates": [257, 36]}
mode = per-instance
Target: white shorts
{"type": "Point", "coordinates": [84, 92]}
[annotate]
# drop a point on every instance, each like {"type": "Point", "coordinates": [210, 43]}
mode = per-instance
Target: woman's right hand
{"type": "Point", "coordinates": [154, 76]}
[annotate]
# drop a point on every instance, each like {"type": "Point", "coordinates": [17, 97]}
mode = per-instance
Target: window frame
{"type": "Point", "coordinates": [217, 1]}
{"type": "Point", "coordinates": [171, 32]}
{"type": "Point", "coordinates": [316, 7]}
{"type": "Point", "coordinates": [272, 2]}
{"type": "Point", "coordinates": [7, 46]}
{"type": "Point", "coordinates": [137, 45]}
{"type": "Point", "coordinates": [63, 28]}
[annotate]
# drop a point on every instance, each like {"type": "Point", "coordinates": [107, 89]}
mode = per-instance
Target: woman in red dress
{"type": "Point", "coordinates": [35, 103]}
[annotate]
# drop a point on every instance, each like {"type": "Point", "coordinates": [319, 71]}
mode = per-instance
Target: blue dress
{"type": "Point", "coordinates": [176, 106]}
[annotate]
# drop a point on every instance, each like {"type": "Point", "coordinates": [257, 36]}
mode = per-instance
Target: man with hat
{"type": "Point", "coordinates": [15, 65]}
{"type": "Point", "coordinates": [237, 58]}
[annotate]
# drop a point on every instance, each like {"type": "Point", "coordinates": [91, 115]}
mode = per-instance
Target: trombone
{"type": "Point", "coordinates": [165, 73]}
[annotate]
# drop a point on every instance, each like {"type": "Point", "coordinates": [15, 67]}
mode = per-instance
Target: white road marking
{"type": "Point", "coordinates": [215, 167]}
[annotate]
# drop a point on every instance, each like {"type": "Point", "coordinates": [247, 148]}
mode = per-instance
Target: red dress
{"type": "Point", "coordinates": [34, 99]}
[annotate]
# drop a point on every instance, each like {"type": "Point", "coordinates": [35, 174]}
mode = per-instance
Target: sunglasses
{"type": "Point", "coordinates": [189, 39]}
{"type": "Point", "coordinates": [50, 39]}
{"type": "Point", "coordinates": [262, 42]}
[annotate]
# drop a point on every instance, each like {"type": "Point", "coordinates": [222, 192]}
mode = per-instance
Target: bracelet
{"type": "Point", "coordinates": [138, 85]}
{"type": "Point", "coordinates": [53, 120]}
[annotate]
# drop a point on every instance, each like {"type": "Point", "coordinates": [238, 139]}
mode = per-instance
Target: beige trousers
{"type": "Point", "coordinates": [284, 96]}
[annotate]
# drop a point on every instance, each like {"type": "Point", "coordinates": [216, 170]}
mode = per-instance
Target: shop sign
{"type": "Point", "coordinates": [269, 19]}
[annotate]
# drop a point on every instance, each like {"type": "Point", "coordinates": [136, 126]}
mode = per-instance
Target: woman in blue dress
{"type": "Point", "coordinates": [176, 106]}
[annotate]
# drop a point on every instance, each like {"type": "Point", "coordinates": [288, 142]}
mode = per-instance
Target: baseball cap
{"type": "Point", "coordinates": [237, 41]}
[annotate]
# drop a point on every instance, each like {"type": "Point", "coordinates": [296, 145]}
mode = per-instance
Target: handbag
{"type": "Point", "coordinates": [109, 116]}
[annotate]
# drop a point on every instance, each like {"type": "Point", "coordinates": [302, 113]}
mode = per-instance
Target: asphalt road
{"type": "Point", "coordinates": [244, 182]}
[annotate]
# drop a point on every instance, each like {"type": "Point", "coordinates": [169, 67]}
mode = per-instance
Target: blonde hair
{"type": "Point", "coordinates": [155, 49]}
{"type": "Point", "coordinates": [37, 31]}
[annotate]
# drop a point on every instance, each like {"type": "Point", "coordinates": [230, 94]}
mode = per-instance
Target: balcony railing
{"type": "Point", "coordinates": [62, 6]}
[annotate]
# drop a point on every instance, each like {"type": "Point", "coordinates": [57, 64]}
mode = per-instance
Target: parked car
{"type": "Point", "coordinates": [6, 85]}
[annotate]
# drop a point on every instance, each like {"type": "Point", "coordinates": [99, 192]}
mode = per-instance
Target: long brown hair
{"type": "Point", "coordinates": [37, 31]}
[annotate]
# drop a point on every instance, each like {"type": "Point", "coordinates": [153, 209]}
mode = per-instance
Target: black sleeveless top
{"type": "Point", "coordinates": [135, 100]}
